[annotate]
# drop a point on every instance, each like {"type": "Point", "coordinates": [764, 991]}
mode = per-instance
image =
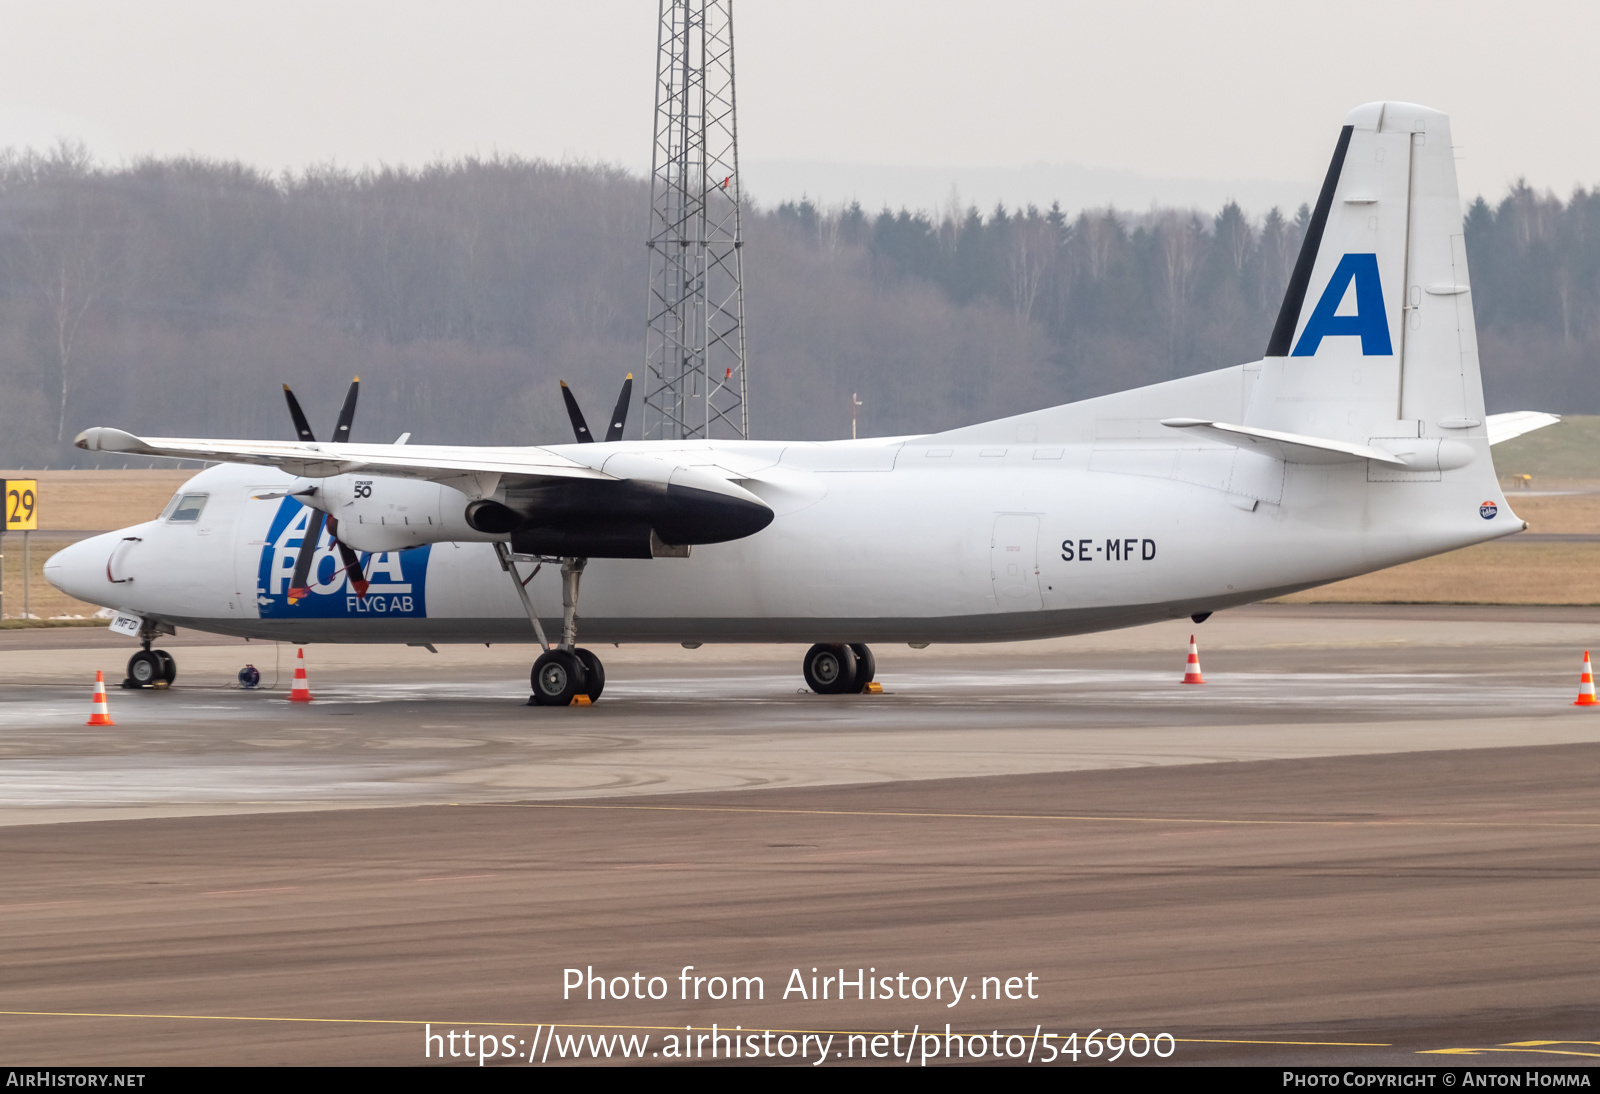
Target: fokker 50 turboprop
{"type": "Point", "coordinates": [1359, 441]}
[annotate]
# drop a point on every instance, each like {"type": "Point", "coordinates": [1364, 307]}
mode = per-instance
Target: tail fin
{"type": "Point", "coordinates": [1375, 338]}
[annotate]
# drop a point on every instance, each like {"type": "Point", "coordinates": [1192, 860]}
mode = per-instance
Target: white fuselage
{"type": "Point", "coordinates": [914, 541]}
{"type": "Point", "coordinates": [1358, 441]}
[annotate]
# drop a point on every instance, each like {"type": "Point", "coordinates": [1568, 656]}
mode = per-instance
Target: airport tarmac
{"type": "Point", "coordinates": [1370, 836]}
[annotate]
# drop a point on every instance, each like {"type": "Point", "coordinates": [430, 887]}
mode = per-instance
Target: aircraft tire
{"type": "Point", "coordinates": [866, 665]}
{"type": "Point", "coordinates": [830, 669]}
{"type": "Point", "coordinates": [169, 665]}
{"type": "Point", "coordinates": [144, 669]}
{"type": "Point", "coordinates": [557, 676]}
{"type": "Point", "coordinates": [594, 674]}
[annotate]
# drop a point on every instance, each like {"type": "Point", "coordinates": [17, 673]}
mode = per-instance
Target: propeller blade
{"type": "Point", "coordinates": [299, 586]}
{"type": "Point", "coordinates": [579, 426]}
{"type": "Point", "coordinates": [347, 413]}
{"type": "Point", "coordinates": [302, 428]}
{"type": "Point", "coordinates": [619, 416]}
{"type": "Point", "coordinates": [351, 560]}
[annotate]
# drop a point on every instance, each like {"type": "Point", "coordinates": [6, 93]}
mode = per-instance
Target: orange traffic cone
{"type": "Point", "coordinates": [1192, 673]}
{"type": "Point", "coordinates": [100, 714]}
{"type": "Point", "coordinates": [1586, 685]}
{"type": "Point", "coordinates": [300, 693]}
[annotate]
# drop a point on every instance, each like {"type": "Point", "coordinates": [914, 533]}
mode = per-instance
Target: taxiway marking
{"type": "Point", "coordinates": [1087, 819]}
{"type": "Point", "coordinates": [266, 889]}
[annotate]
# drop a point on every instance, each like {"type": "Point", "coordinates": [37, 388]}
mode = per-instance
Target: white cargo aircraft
{"type": "Point", "coordinates": [1359, 441]}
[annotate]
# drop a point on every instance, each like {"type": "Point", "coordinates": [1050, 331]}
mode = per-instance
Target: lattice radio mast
{"type": "Point", "coordinates": [694, 339]}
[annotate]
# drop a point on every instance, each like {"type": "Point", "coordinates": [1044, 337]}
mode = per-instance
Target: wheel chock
{"type": "Point", "coordinates": [581, 700]}
{"type": "Point", "coordinates": [872, 688]}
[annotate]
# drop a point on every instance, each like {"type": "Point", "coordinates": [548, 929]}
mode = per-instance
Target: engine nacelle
{"type": "Point", "coordinates": [377, 513]}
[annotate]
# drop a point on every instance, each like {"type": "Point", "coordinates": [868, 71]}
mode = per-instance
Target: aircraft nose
{"type": "Point", "coordinates": [80, 570]}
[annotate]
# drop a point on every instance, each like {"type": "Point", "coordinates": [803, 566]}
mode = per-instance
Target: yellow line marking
{"type": "Point", "coordinates": [267, 889]}
{"type": "Point", "coordinates": [595, 1025]}
{"type": "Point", "coordinates": [1535, 1044]}
{"type": "Point", "coordinates": [1538, 1051]}
{"type": "Point", "coordinates": [1325, 1044]}
{"type": "Point", "coordinates": [1095, 818]}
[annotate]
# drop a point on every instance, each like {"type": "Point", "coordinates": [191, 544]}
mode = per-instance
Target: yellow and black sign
{"type": "Point", "coordinates": [22, 504]}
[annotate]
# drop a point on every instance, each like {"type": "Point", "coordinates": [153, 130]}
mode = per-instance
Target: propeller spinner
{"type": "Point", "coordinates": [299, 586]}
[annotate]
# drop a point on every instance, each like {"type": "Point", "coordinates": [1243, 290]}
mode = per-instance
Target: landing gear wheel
{"type": "Point", "coordinates": [169, 666]}
{"type": "Point", "coordinates": [830, 670]}
{"type": "Point", "coordinates": [866, 665]}
{"type": "Point", "coordinates": [557, 676]}
{"type": "Point", "coordinates": [144, 669]}
{"type": "Point", "coordinates": [594, 674]}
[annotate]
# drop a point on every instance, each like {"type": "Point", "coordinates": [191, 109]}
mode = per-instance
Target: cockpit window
{"type": "Point", "coordinates": [187, 507]}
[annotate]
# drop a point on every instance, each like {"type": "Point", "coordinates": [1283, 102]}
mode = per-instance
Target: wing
{"type": "Point", "coordinates": [626, 503]}
{"type": "Point", "coordinates": [437, 463]}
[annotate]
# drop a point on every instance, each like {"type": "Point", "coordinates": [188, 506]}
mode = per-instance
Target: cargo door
{"type": "Point", "coordinates": [1014, 563]}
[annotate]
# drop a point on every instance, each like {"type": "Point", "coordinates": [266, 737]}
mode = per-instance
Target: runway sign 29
{"type": "Point", "coordinates": [22, 505]}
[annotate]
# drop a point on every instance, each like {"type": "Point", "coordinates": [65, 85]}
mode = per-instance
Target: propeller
{"type": "Point", "coordinates": [299, 585]}
{"type": "Point", "coordinates": [619, 415]}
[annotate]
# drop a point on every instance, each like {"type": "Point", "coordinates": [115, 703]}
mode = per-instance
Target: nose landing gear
{"type": "Point", "coordinates": [151, 668]}
{"type": "Point", "coordinates": [839, 669]}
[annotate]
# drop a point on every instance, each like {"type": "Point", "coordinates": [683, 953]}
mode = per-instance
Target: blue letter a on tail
{"type": "Point", "coordinates": [1370, 321]}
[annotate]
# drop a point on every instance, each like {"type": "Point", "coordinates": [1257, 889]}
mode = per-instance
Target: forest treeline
{"type": "Point", "coordinates": [173, 297]}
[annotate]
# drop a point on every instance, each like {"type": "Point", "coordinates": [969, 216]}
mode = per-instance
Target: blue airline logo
{"type": "Point", "coordinates": [398, 579]}
{"type": "Point", "coordinates": [1370, 323]}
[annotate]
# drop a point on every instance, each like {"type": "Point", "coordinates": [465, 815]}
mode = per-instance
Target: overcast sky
{"type": "Point", "coordinates": [1244, 90]}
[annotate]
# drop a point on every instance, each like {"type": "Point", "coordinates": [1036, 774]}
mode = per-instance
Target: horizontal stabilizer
{"type": "Point", "coordinates": [1289, 447]}
{"type": "Point", "coordinates": [1514, 423]}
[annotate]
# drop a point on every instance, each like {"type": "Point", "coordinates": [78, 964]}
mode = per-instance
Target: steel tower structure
{"type": "Point", "coordinates": [695, 383]}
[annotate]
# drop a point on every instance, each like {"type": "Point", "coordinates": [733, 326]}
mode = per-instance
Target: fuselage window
{"type": "Point", "coordinates": [188, 507]}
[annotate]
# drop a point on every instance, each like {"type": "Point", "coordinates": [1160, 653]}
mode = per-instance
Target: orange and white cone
{"type": "Point", "coordinates": [1192, 673]}
{"type": "Point", "coordinates": [1586, 685]}
{"type": "Point", "coordinates": [99, 713]}
{"type": "Point", "coordinates": [300, 693]}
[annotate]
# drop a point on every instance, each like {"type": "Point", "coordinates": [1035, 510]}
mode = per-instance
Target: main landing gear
{"type": "Point", "coordinates": [563, 672]}
{"type": "Point", "coordinates": [561, 675]}
{"type": "Point", "coordinates": [839, 669]}
{"type": "Point", "coordinates": [150, 668]}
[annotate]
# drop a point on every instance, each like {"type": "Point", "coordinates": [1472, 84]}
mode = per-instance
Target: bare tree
{"type": "Point", "coordinates": [62, 244]}
{"type": "Point", "coordinates": [1030, 255]}
{"type": "Point", "coordinates": [1182, 244]}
